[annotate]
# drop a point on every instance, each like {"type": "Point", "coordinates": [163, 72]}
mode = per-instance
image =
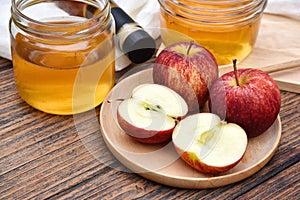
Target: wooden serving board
{"type": "Point", "coordinates": [160, 162]}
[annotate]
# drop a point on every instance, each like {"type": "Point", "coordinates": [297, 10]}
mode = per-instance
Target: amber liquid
{"type": "Point", "coordinates": [225, 43]}
{"type": "Point", "coordinates": [63, 77]}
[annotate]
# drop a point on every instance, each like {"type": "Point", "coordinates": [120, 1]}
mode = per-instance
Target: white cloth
{"type": "Point", "coordinates": [4, 23]}
{"type": "Point", "coordinates": [289, 8]}
{"type": "Point", "coordinates": [4, 32]}
{"type": "Point", "coordinates": [144, 12]}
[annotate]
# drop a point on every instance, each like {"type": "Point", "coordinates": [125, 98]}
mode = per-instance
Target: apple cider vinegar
{"type": "Point", "coordinates": [45, 78]}
{"type": "Point", "coordinates": [65, 65]}
{"type": "Point", "coordinates": [228, 29]}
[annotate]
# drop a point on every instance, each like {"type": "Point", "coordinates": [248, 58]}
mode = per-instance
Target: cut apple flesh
{"type": "Point", "coordinates": [209, 144]}
{"type": "Point", "coordinates": [161, 97]}
{"type": "Point", "coordinates": [151, 113]}
{"type": "Point", "coordinates": [141, 115]}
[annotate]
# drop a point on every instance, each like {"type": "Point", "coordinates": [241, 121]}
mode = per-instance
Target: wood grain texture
{"type": "Point", "coordinates": [44, 156]}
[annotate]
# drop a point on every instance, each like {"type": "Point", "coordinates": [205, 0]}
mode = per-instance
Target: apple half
{"type": "Point", "coordinates": [151, 113]}
{"type": "Point", "coordinates": [208, 144]}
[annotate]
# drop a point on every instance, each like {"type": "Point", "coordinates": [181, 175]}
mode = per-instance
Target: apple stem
{"type": "Point", "coordinates": [235, 72]}
{"type": "Point", "coordinates": [189, 47]}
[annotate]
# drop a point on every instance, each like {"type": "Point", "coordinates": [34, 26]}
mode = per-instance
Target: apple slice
{"type": "Point", "coordinates": [151, 113]}
{"type": "Point", "coordinates": [208, 144]}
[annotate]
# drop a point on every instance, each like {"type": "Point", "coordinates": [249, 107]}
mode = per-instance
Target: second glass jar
{"type": "Point", "coordinates": [228, 28]}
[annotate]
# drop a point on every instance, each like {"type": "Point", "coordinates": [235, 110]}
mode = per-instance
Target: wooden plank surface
{"type": "Point", "coordinates": [44, 156]}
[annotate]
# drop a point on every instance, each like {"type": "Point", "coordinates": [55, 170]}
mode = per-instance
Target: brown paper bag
{"type": "Point", "coordinates": [278, 43]}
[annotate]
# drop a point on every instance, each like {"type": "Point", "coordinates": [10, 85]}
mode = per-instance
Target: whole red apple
{"type": "Point", "coordinates": [248, 97]}
{"type": "Point", "coordinates": [189, 69]}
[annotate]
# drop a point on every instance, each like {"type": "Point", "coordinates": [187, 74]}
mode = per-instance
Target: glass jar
{"type": "Point", "coordinates": [62, 53]}
{"type": "Point", "coordinates": [228, 28]}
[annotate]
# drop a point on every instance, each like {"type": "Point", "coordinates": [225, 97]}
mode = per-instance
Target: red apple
{"type": "Point", "coordinates": [208, 144]}
{"type": "Point", "coordinates": [189, 69]}
{"type": "Point", "coordinates": [151, 113]}
{"type": "Point", "coordinates": [249, 98]}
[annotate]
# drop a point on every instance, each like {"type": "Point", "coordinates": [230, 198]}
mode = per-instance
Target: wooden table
{"type": "Point", "coordinates": [42, 156]}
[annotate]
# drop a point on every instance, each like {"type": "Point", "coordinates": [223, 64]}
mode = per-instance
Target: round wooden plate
{"type": "Point", "coordinates": [160, 162]}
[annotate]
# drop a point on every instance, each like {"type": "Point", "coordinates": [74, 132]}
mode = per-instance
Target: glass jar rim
{"type": "Point", "coordinates": [221, 12]}
{"type": "Point", "coordinates": [18, 17]}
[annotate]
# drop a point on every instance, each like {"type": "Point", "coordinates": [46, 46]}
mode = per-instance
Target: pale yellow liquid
{"type": "Point", "coordinates": [65, 78]}
{"type": "Point", "coordinates": [225, 44]}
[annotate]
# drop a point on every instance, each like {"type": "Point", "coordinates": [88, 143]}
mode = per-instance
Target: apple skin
{"type": "Point", "coordinates": [140, 135]}
{"type": "Point", "coordinates": [190, 75]}
{"type": "Point", "coordinates": [254, 105]}
{"type": "Point", "coordinates": [189, 158]}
